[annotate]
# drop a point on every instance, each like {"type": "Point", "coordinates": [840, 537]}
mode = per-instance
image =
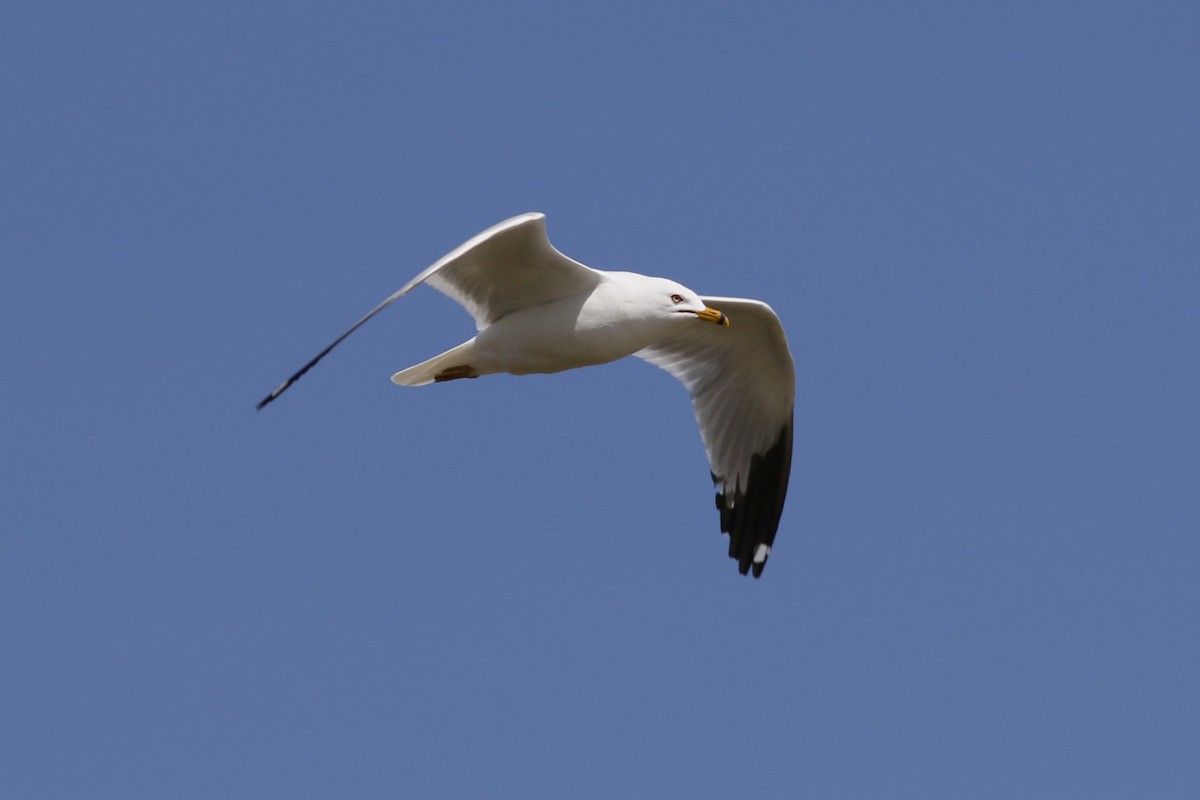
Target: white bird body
{"type": "Point", "coordinates": [538, 311]}
{"type": "Point", "coordinates": [614, 320]}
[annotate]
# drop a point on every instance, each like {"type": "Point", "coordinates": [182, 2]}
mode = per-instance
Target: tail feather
{"type": "Point", "coordinates": [427, 371]}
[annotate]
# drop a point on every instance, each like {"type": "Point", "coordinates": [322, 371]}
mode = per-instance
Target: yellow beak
{"type": "Point", "coordinates": [714, 316]}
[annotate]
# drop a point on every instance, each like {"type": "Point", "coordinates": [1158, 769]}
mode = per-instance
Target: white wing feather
{"type": "Point", "coordinates": [509, 266]}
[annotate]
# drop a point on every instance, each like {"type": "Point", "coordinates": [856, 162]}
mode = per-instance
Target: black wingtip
{"type": "Point", "coordinates": [278, 391]}
{"type": "Point", "coordinates": [750, 514]}
{"type": "Point", "coordinates": [747, 567]}
{"type": "Point", "coordinates": [300, 373]}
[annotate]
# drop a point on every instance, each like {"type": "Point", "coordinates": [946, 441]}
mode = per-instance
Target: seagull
{"type": "Point", "coordinates": [538, 311]}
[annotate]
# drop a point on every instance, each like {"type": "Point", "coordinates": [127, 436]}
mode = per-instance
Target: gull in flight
{"type": "Point", "coordinates": [538, 311]}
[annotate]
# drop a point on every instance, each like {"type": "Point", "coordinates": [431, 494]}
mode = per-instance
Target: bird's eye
{"type": "Point", "coordinates": [676, 299]}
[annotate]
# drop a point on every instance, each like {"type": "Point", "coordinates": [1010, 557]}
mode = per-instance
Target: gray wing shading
{"type": "Point", "coordinates": [743, 386]}
{"type": "Point", "coordinates": [509, 266]}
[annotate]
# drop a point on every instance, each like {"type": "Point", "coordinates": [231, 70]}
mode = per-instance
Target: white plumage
{"type": "Point", "coordinates": [538, 311]}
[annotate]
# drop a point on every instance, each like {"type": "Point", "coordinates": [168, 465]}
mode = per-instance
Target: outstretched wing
{"type": "Point", "coordinates": [509, 266]}
{"type": "Point", "coordinates": [743, 386]}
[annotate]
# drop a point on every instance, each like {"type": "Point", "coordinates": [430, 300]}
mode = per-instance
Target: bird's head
{"type": "Point", "coordinates": [677, 299]}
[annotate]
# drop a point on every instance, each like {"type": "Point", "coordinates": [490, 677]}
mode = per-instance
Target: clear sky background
{"type": "Point", "coordinates": [979, 223]}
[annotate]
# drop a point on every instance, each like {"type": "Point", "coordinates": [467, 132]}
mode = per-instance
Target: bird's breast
{"type": "Point", "coordinates": [557, 336]}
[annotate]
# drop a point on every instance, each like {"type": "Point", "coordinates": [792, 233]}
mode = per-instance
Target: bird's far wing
{"type": "Point", "coordinates": [743, 385]}
{"type": "Point", "coordinates": [509, 266]}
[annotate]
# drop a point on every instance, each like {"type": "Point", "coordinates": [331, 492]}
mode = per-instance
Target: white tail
{"type": "Point", "coordinates": [426, 371]}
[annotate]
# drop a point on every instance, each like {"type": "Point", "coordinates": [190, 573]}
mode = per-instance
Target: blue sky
{"type": "Point", "coordinates": [978, 223]}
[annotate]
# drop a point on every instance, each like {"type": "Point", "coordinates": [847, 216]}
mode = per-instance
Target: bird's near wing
{"type": "Point", "coordinates": [743, 386]}
{"type": "Point", "coordinates": [509, 266]}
